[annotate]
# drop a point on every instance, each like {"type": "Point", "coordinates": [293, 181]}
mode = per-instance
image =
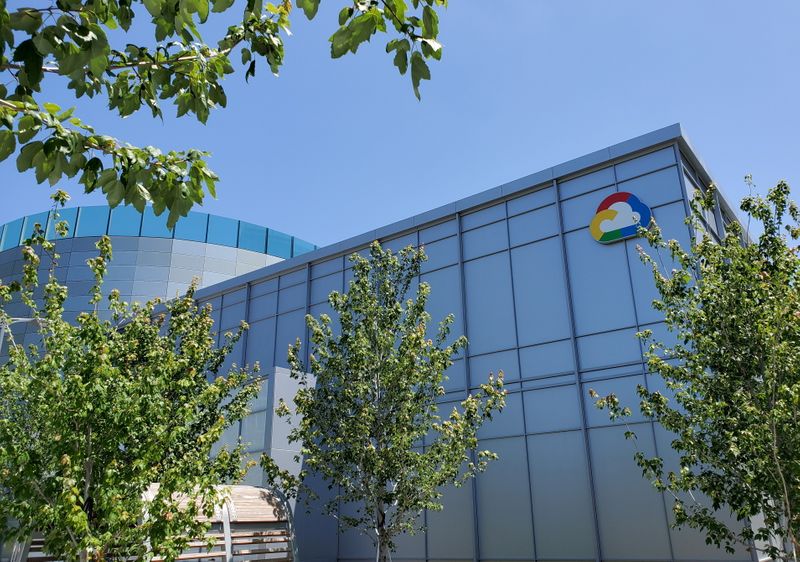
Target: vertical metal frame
{"type": "Point", "coordinates": [521, 391]}
{"type": "Point", "coordinates": [644, 365]}
{"type": "Point", "coordinates": [476, 543]}
{"type": "Point", "coordinates": [581, 405]}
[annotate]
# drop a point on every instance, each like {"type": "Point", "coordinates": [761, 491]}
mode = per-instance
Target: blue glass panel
{"type": "Point", "coordinates": [302, 247]}
{"type": "Point", "coordinates": [279, 244]}
{"type": "Point", "coordinates": [12, 233]}
{"type": "Point", "coordinates": [31, 220]}
{"type": "Point", "coordinates": [252, 237]}
{"type": "Point", "coordinates": [92, 221]}
{"type": "Point", "coordinates": [125, 221]}
{"type": "Point", "coordinates": [222, 231]}
{"type": "Point", "coordinates": [68, 215]}
{"type": "Point", "coordinates": [192, 227]}
{"type": "Point", "coordinates": [155, 226]}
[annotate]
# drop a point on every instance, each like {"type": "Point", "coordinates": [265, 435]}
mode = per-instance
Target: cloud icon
{"type": "Point", "coordinates": [619, 216]}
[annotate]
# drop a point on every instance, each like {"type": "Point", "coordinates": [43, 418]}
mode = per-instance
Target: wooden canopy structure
{"type": "Point", "coordinates": [252, 524]}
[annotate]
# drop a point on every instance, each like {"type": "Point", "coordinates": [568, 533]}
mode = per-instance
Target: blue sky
{"type": "Point", "coordinates": [333, 148]}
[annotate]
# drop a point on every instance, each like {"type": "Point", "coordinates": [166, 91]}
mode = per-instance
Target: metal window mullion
{"type": "Point", "coordinates": [521, 390]}
{"type": "Point", "coordinates": [581, 405]}
{"type": "Point", "coordinates": [644, 375]}
{"type": "Point", "coordinates": [467, 382]}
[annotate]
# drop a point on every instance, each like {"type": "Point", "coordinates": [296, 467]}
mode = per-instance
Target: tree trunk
{"type": "Point", "coordinates": [384, 554]}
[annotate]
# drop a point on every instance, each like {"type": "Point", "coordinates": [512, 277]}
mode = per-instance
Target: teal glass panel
{"type": "Point", "coordinates": [252, 237]}
{"type": "Point", "coordinates": [302, 247]}
{"type": "Point", "coordinates": [192, 227]}
{"type": "Point", "coordinates": [12, 234]}
{"type": "Point", "coordinates": [155, 226]}
{"type": "Point", "coordinates": [222, 230]}
{"type": "Point", "coordinates": [125, 221]}
{"type": "Point", "coordinates": [70, 216]}
{"type": "Point", "coordinates": [279, 244]}
{"type": "Point", "coordinates": [31, 220]}
{"type": "Point", "coordinates": [92, 221]}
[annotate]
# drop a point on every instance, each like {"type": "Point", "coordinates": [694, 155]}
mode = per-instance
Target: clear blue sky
{"type": "Point", "coordinates": [334, 148]}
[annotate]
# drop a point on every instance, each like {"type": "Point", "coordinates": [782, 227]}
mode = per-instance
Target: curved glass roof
{"type": "Point", "coordinates": [127, 221]}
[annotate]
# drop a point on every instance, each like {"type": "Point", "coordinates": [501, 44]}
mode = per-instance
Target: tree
{"type": "Point", "coordinates": [101, 409]}
{"type": "Point", "coordinates": [70, 39]}
{"type": "Point", "coordinates": [733, 378]}
{"type": "Point", "coordinates": [370, 399]}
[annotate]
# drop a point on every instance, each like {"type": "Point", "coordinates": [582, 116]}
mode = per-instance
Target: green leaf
{"type": "Point", "coordinates": [27, 128]}
{"type": "Point", "coordinates": [26, 155]}
{"type": "Point", "coordinates": [309, 7]}
{"type": "Point", "coordinates": [51, 108]}
{"type": "Point", "coordinates": [345, 14]}
{"type": "Point", "coordinates": [430, 23]}
{"type": "Point", "coordinates": [7, 144]}
{"type": "Point", "coordinates": [31, 74]}
{"type": "Point", "coordinates": [28, 20]}
{"type": "Point", "coordinates": [419, 71]}
{"type": "Point", "coordinates": [401, 61]}
{"type": "Point", "coordinates": [154, 7]}
{"type": "Point", "coordinates": [221, 5]}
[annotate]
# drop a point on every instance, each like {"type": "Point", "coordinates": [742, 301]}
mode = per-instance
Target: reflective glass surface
{"type": "Point", "coordinates": [302, 247]}
{"type": "Point", "coordinates": [279, 244]}
{"type": "Point", "coordinates": [252, 237]}
{"type": "Point", "coordinates": [192, 227]}
{"type": "Point", "coordinates": [68, 215]}
{"type": "Point", "coordinates": [92, 221]}
{"type": "Point", "coordinates": [155, 226]}
{"type": "Point", "coordinates": [31, 220]}
{"type": "Point", "coordinates": [125, 221]}
{"type": "Point", "coordinates": [12, 234]}
{"type": "Point", "coordinates": [222, 230]}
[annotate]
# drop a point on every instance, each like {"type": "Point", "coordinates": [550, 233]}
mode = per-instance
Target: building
{"type": "Point", "coordinates": [546, 284]}
{"type": "Point", "coordinates": [149, 260]}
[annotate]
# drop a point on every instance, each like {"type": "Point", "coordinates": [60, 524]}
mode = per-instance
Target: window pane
{"type": "Point", "coordinates": [252, 237]}
{"type": "Point", "coordinates": [92, 221]}
{"type": "Point", "coordinates": [155, 226]}
{"type": "Point", "coordinates": [125, 221]}
{"type": "Point", "coordinates": [68, 215]}
{"type": "Point", "coordinates": [12, 234]}
{"type": "Point", "coordinates": [302, 247]}
{"type": "Point", "coordinates": [192, 227]}
{"type": "Point", "coordinates": [30, 221]}
{"type": "Point", "coordinates": [222, 230]}
{"type": "Point", "coordinates": [279, 244]}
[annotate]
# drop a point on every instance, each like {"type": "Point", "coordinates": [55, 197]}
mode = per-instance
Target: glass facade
{"type": "Point", "coordinates": [127, 221]}
{"type": "Point", "coordinates": [539, 298]}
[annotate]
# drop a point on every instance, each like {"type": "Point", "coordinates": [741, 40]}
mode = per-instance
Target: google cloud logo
{"type": "Point", "coordinates": [618, 217]}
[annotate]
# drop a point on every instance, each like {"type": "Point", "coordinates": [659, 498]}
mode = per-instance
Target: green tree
{"type": "Point", "coordinates": [100, 410]}
{"type": "Point", "coordinates": [733, 378]}
{"type": "Point", "coordinates": [369, 399]}
{"type": "Point", "coordinates": [72, 39]}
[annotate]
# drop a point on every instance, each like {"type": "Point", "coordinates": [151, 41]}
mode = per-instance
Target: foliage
{"type": "Point", "coordinates": [733, 378]}
{"type": "Point", "coordinates": [101, 409]}
{"type": "Point", "coordinates": [72, 39]}
{"type": "Point", "coordinates": [370, 399]}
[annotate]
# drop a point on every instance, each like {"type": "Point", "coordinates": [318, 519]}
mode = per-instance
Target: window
{"type": "Point", "coordinates": [252, 237]}
{"type": "Point", "coordinates": [31, 221]}
{"type": "Point", "coordinates": [155, 226]}
{"type": "Point", "coordinates": [302, 247]}
{"type": "Point", "coordinates": [192, 227]}
{"type": "Point", "coordinates": [125, 221]}
{"type": "Point", "coordinates": [279, 244]}
{"type": "Point", "coordinates": [12, 234]}
{"type": "Point", "coordinates": [68, 215]}
{"type": "Point", "coordinates": [222, 231]}
{"type": "Point", "coordinates": [92, 221]}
